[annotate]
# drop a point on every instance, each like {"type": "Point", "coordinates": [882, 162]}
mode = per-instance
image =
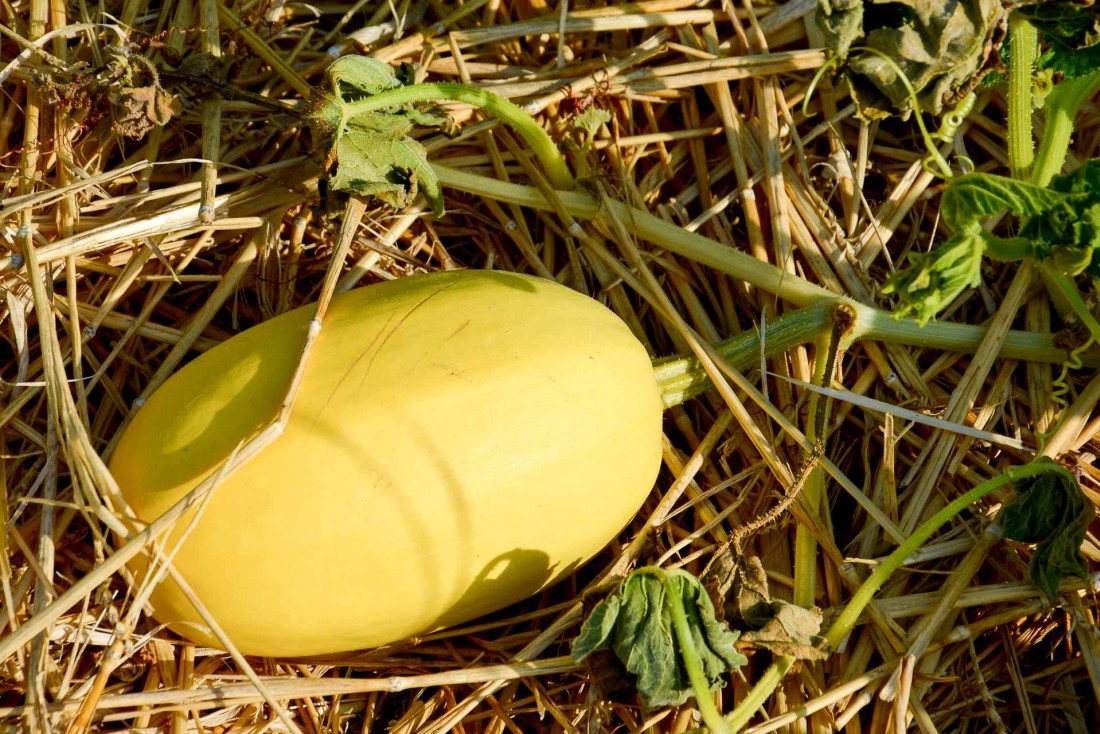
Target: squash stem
{"type": "Point", "coordinates": [760, 693]}
{"type": "Point", "coordinates": [866, 592]}
{"type": "Point", "coordinates": [681, 378]}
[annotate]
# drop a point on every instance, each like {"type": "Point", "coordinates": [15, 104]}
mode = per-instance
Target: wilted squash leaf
{"type": "Point", "coordinates": [943, 48]}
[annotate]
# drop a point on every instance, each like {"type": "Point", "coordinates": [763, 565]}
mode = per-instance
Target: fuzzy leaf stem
{"type": "Point", "coordinates": [1021, 145]}
{"type": "Point", "coordinates": [543, 146]}
{"type": "Point", "coordinates": [1061, 108]}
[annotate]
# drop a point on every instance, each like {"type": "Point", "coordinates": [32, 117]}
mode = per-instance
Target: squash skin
{"type": "Point", "coordinates": [459, 441]}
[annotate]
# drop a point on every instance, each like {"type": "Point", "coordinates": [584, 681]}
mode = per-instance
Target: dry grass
{"type": "Point", "coordinates": [141, 253]}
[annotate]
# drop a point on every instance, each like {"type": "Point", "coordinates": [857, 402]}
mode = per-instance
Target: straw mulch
{"type": "Point", "coordinates": [129, 247]}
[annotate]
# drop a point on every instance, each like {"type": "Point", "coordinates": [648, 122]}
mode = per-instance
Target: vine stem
{"type": "Point", "coordinates": [1061, 107]}
{"type": "Point", "coordinates": [871, 323]}
{"type": "Point", "coordinates": [1021, 145]}
{"type": "Point", "coordinates": [843, 322]}
{"type": "Point", "coordinates": [844, 624]}
{"type": "Point", "coordinates": [867, 590]}
{"type": "Point", "coordinates": [542, 145]}
{"type": "Point", "coordinates": [712, 717]}
{"type": "Point", "coordinates": [760, 693]}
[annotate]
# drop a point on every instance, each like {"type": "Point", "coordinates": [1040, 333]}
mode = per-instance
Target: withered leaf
{"type": "Point", "coordinates": [1050, 510]}
{"type": "Point", "coordinates": [780, 627]}
{"type": "Point", "coordinates": [204, 67]}
{"type": "Point", "coordinates": [750, 598]}
{"type": "Point", "coordinates": [135, 110]}
{"type": "Point", "coordinates": [943, 48]}
{"type": "Point", "coordinates": [790, 630]}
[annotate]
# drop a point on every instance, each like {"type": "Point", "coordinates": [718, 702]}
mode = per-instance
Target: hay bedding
{"type": "Point", "coordinates": [148, 221]}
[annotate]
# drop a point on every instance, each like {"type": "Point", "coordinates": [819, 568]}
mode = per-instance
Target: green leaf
{"type": "Point", "coordinates": [395, 169]}
{"type": "Point", "coordinates": [635, 622]}
{"type": "Point", "coordinates": [599, 628]}
{"type": "Point", "coordinates": [381, 124]}
{"type": "Point", "coordinates": [354, 77]}
{"type": "Point", "coordinates": [1075, 23]}
{"type": "Point", "coordinates": [976, 196]}
{"type": "Point", "coordinates": [1071, 63]}
{"type": "Point", "coordinates": [934, 279]}
{"type": "Point", "coordinates": [375, 153]}
{"type": "Point", "coordinates": [1085, 179]}
{"type": "Point", "coordinates": [1051, 510]}
{"type": "Point", "coordinates": [1061, 227]}
{"type": "Point", "coordinates": [1068, 234]}
{"type": "Point", "coordinates": [591, 120]}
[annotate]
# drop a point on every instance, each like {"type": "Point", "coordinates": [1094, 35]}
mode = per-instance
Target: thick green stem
{"type": "Point", "coordinates": [543, 146]}
{"type": "Point", "coordinates": [844, 624]}
{"type": "Point", "coordinates": [760, 693]}
{"type": "Point", "coordinates": [1061, 107]}
{"type": "Point", "coordinates": [848, 618]}
{"type": "Point", "coordinates": [872, 323]}
{"type": "Point", "coordinates": [1021, 145]}
{"type": "Point", "coordinates": [682, 378]}
{"type": "Point", "coordinates": [712, 717]}
{"type": "Point", "coordinates": [877, 325]}
{"type": "Point", "coordinates": [1061, 284]}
